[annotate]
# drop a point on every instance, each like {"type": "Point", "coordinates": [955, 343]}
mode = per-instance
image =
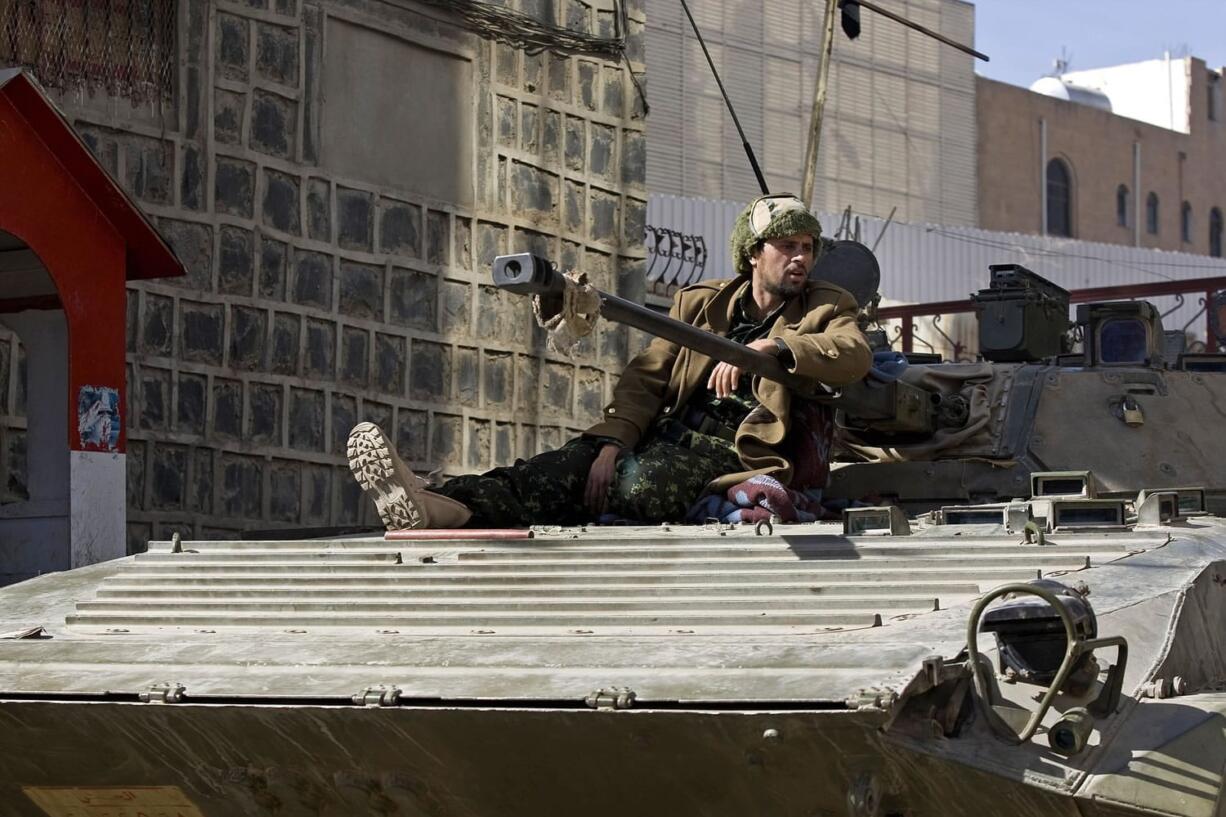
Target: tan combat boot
{"type": "Point", "coordinates": [400, 495]}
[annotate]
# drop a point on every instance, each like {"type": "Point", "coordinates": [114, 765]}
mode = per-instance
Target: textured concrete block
{"type": "Point", "coordinates": [313, 279]}
{"type": "Point", "coordinates": [438, 238]}
{"type": "Point", "coordinates": [283, 354]}
{"type": "Point", "coordinates": [157, 336]}
{"type": "Point", "coordinates": [235, 261]}
{"type": "Point", "coordinates": [600, 150]}
{"type": "Point", "coordinates": [191, 404]}
{"type": "Point", "coordinates": [229, 116]}
{"type": "Point", "coordinates": [559, 77]}
{"type": "Point", "coordinates": [589, 73]}
{"type": "Point", "coordinates": [497, 380]}
{"type": "Point", "coordinates": [479, 445]}
{"type": "Point", "coordinates": [361, 290]}
{"type": "Point", "coordinates": [391, 355]}
{"type": "Point", "coordinates": [529, 128]}
{"type": "Point", "coordinates": [319, 359]}
{"type": "Point", "coordinates": [551, 136]}
{"type": "Point", "coordinates": [533, 190]}
{"type": "Point", "coordinates": [154, 399]}
{"type": "Point", "coordinates": [468, 376]}
{"type": "Point", "coordinates": [378, 413]}
{"type": "Point", "coordinates": [590, 394]}
{"type": "Point", "coordinates": [503, 316]}
{"type": "Point", "coordinates": [578, 16]}
{"type": "Point", "coordinates": [491, 242]}
{"type": "Point", "coordinates": [507, 61]}
{"type": "Point", "coordinates": [285, 491]}
{"type": "Point", "coordinates": [508, 114]}
{"type": "Point", "coordinates": [634, 158]}
{"type": "Point", "coordinates": [316, 493]}
{"type": "Point", "coordinates": [319, 210]}
{"type": "Point", "coordinates": [575, 143]}
{"type": "Point", "coordinates": [504, 444]}
{"type": "Point", "coordinates": [149, 169]}
{"type": "Point", "coordinates": [201, 481]}
{"type": "Point", "coordinates": [412, 435]}
{"type": "Point", "coordinates": [534, 73]}
{"type": "Point", "coordinates": [400, 228]}
{"type": "Point", "coordinates": [135, 466]}
{"type": "Point", "coordinates": [355, 356]}
{"type": "Point", "coordinates": [463, 243]}
{"type": "Point", "coordinates": [447, 439]}
{"type": "Point", "coordinates": [429, 371]}
{"type": "Point", "coordinates": [233, 46]}
{"type": "Point", "coordinates": [193, 244]}
{"type": "Point", "coordinates": [191, 190]}
{"type": "Point", "coordinates": [613, 101]}
{"type": "Point", "coordinates": [234, 187]}
{"type": "Point", "coordinates": [264, 418]}
{"type": "Point", "coordinates": [457, 309]}
{"type": "Point", "coordinates": [276, 53]}
{"type": "Point", "coordinates": [280, 207]}
{"type": "Point", "coordinates": [354, 219]}
{"type": "Point", "coordinates": [201, 327]}
{"type": "Point", "coordinates": [242, 486]}
{"type": "Point", "coordinates": [634, 223]}
{"type": "Point", "coordinates": [557, 387]}
{"type": "Point", "coordinates": [602, 216]}
{"type": "Point", "coordinates": [169, 476]}
{"type": "Point", "coordinates": [413, 299]}
{"type": "Point", "coordinates": [344, 418]}
{"type": "Point", "coordinates": [274, 124]}
{"type": "Point", "coordinates": [306, 420]}
{"type": "Point", "coordinates": [575, 197]}
{"type": "Point", "coordinates": [248, 337]}
{"type": "Point", "coordinates": [528, 444]}
{"type": "Point", "coordinates": [273, 265]}
{"type": "Point", "coordinates": [227, 408]}
{"type": "Point", "coordinates": [527, 384]}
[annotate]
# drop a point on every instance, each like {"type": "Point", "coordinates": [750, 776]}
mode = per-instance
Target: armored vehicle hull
{"type": "Point", "coordinates": [713, 671]}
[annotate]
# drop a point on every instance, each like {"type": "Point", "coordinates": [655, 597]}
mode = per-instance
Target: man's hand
{"type": "Point", "coordinates": [725, 377]}
{"type": "Point", "coordinates": [600, 477]}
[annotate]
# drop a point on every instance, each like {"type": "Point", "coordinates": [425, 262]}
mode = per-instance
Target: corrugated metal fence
{"type": "Point", "coordinates": [921, 263]}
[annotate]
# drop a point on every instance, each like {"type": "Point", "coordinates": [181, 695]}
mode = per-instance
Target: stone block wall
{"type": "Point", "coordinates": [334, 277]}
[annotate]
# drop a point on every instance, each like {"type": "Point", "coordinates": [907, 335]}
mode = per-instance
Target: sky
{"type": "Point", "coordinates": [1023, 37]}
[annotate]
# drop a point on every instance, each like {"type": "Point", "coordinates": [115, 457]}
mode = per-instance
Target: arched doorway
{"type": "Point", "coordinates": [70, 239]}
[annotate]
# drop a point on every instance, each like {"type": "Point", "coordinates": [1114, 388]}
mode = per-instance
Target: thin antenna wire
{"type": "Point", "coordinates": [753, 160]}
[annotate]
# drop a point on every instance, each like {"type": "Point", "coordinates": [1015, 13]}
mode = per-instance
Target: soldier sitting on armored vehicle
{"type": "Point", "coordinates": [680, 426]}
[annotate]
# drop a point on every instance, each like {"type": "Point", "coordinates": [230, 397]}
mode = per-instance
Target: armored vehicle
{"type": "Point", "coordinates": [1022, 613]}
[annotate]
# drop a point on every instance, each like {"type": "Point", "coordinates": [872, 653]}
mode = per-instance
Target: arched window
{"type": "Point", "coordinates": [1185, 223]}
{"type": "Point", "coordinates": [1151, 213]}
{"type": "Point", "coordinates": [1059, 199]}
{"type": "Point", "coordinates": [1215, 233]}
{"type": "Point", "coordinates": [1121, 205]}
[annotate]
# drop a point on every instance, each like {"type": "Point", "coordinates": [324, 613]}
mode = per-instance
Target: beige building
{"type": "Point", "coordinates": [900, 121]}
{"type": "Point", "coordinates": [1129, 155]}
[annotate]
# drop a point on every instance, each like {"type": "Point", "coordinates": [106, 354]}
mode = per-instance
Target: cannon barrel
{"type": "Point", "coordinates": [529, 274]}
{"type": "Point", "coordinates": [893, 408]}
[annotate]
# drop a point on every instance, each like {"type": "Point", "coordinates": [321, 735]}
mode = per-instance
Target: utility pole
{"type": "Point", "coordinates": [819, 104]}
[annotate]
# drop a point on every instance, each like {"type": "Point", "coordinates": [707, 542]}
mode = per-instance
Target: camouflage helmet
{"type": "Point", "coordinates": [770, 217]}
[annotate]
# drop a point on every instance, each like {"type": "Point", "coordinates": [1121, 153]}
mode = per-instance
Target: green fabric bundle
{"type": "Point", "coordinates": [770, 217]}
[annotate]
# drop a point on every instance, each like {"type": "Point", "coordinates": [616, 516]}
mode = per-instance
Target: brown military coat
{"type": "Point", "coordinates": [819, 328]}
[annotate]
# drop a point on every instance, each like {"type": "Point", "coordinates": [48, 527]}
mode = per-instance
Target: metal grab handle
{"type": "Point", "coordinates": [1102, 706]}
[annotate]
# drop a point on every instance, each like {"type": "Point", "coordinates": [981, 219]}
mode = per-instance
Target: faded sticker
{"type": "Point", "coordinates": [98, 417]}
{"type": "Point", "coordinates": [112, 801]}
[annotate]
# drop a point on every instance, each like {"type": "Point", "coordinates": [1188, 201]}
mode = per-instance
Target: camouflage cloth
{"type": "Point", "coordinates": [656, 482]}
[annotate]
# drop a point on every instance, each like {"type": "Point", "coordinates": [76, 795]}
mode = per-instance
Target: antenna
{"type": "Point", "coordinates": [753, 160]}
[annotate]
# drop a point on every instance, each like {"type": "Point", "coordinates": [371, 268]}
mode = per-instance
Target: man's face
{"type": "Point", "coordinates": [782, 265]}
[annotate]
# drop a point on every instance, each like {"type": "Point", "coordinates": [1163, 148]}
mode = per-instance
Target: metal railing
{"type": "Point", "coordinates": [1212, 301]}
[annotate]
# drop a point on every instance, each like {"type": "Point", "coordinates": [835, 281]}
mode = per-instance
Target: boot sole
{"type": "Point", "coordinates": [370, 460]}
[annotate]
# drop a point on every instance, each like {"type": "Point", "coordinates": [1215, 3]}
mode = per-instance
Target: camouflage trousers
{"type": "Point", "coordinates": [656, 482]}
